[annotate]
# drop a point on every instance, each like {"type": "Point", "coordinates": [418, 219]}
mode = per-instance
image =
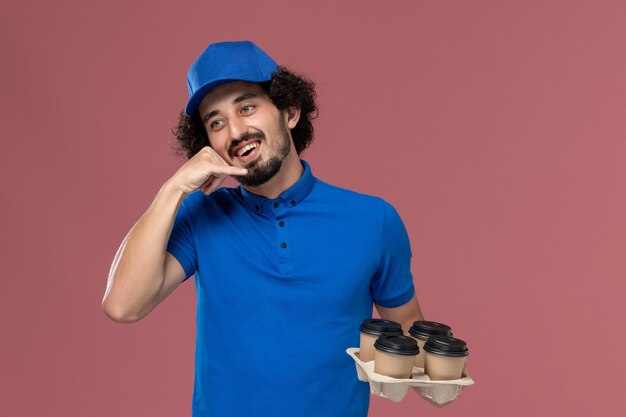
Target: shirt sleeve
{"type": "Point", "coordinates": [392, 285]}
{"type": "Point", "coordinates": [181, 243]}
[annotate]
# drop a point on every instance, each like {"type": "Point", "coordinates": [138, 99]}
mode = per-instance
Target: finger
{"type": "Point", "coordinates": [213, 156]}
{"type": "Point", "coordinates": [219, 164]}
{"type": "Point", "coordinates": [206, 183]}
{"type": "Point", "coordinates": [212, 184]}
{"type": "Point", "coordinates": [228, 170]}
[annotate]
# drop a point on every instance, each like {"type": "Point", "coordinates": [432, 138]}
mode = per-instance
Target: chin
{"type": "Point", "coordinates": [260, 174]}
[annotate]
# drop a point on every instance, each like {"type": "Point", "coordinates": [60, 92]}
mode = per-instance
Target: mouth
{"type": "Point", "coordinates": [247, 151]}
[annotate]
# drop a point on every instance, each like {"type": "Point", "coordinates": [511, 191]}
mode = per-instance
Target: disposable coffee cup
{"type": "Point", "coordinates": [394, 355]}
{"type": "Point", "coordinates": [445, 357]}
{"type": "Point", "coordinates": [370, 330]}
{"type": "Point", "coordinates": [423, 330]}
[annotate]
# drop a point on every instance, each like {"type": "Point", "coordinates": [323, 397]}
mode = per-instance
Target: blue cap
{"type": "Point", "coordinates": [224, 62]}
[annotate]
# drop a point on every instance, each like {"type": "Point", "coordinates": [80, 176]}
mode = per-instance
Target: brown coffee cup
{"type": "Point", "coordinates": [394, 355]}
{"type": "Point", "coordinates": [370, 330]}
{"type": "Point", "coordinates": [421, 331]}
{"type": "Point", "coordinates": [445, 357]}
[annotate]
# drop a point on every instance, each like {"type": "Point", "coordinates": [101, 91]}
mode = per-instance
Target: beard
{"type": "Point", "coordinates": [261, 172]}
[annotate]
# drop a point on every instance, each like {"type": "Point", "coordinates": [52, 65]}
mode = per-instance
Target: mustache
{"type": "Point", "coordinates": [243, 138]}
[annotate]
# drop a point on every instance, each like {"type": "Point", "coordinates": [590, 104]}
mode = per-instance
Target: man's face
{"type": "Point", "coordinates": [246, 129]}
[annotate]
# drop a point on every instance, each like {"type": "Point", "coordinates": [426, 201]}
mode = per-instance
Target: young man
{"type": "Point", "coordinates": [286, 266]}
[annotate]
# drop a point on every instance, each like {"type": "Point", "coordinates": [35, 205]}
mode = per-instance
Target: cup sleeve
{"type": "Point", "coordinates": [392, 284]}
{"type": "Point", "coordinates": [181, 243]}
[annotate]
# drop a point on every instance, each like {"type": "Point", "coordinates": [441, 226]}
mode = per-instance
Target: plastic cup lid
{"type": "Point", "coordinates": [377, 327]}
{"type": "Point", "coordinates": [426, 329]}
{"type": "Point", "coordinates": [399, 345]}
{"type": "Point", "coordinates": [446, 346]}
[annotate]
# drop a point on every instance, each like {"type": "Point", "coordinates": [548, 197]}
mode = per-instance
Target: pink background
{"type": "Point", "coordinates": [496, 128]}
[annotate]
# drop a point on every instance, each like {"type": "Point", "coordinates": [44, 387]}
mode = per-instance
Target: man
{"type": "Point", "coordinates": [286, 266]}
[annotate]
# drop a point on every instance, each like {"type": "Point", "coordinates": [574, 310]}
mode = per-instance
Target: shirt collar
{"type": "Point", "coordinates": [290, 197]}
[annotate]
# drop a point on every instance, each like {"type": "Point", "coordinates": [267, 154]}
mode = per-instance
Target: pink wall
{"type": "Point", "coordinates": [496, 128]}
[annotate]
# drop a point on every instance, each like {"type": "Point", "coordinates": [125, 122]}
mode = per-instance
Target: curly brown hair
{"type": "Point", "coordinates": [286, 89]}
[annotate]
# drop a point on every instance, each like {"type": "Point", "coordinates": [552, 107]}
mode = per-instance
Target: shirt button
{"type": "Point", "coordinates": [281, 224]}
{"type": "Point", "coordinates": [293, 202]}
{"type": "Point", "coordinates": [283, 245]}
{"type": "Point", "coordinates": [257, 208]}
{"type": "Point", "coordinates": [276, 205]}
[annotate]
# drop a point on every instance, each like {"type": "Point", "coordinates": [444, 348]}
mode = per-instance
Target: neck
{"type": "Point", "coordinates": [290, 172]}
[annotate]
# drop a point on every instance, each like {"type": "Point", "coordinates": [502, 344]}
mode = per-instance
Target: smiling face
{"type": "Point", "coordinates": [246, 129]}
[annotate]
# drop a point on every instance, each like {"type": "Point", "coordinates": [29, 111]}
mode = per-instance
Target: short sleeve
{"type": "Point", "coordinates": [181, 243]}
{"type": "Point", "coordinates": [392, 285]}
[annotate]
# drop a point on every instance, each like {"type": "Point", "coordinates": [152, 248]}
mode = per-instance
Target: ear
{"type": "Point", "coordinates": [291, 115]}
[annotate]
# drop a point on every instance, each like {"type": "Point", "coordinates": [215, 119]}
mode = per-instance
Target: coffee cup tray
{"type": "Point", "coordinates": [438, 392]}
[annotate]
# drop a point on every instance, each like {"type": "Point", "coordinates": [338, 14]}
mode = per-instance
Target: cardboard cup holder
{"type": "Point", "coordinates": [394, 389]}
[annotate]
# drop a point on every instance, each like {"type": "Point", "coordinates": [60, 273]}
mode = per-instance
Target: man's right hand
{"type": "Point", "coordinates": [143, 273]}
{"type": "Point", "coordinates": [205, 171]}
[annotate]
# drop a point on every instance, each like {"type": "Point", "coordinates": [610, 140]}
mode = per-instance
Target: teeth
{"type": "Point", "coordinates": [247, 148]}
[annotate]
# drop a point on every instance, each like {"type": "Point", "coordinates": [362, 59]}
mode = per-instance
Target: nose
{"type": "Point", "coordinates": [237, 127]}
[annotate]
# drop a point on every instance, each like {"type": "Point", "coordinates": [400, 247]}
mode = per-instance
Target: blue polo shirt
{"type": "Point", "coordinates": [282, 286]}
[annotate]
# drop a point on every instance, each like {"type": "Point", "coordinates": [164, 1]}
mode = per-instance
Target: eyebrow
{"type": "Point", "coordinates": [235, 101]}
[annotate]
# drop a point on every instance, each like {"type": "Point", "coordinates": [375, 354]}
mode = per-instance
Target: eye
{"type": "Point", "coordinates": [215, 123]}
{"type": "Point", "coordinates": [247, 108]}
